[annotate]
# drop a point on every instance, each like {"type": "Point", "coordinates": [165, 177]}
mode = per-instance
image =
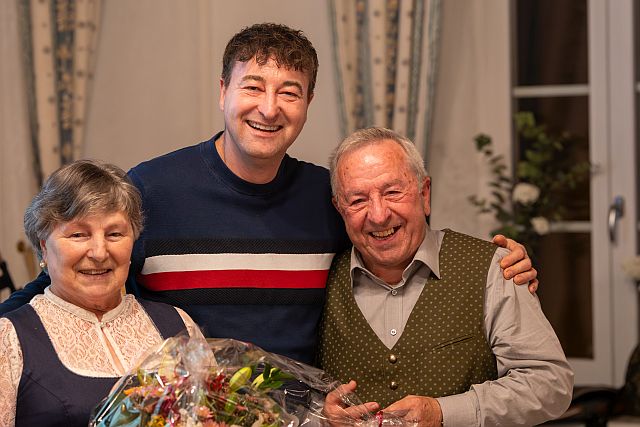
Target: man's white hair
{"type": "Point", "coordinates": [374, 135]}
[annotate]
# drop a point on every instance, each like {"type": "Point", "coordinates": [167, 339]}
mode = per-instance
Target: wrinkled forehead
{"type": "Point", "coordinates": [357, 173]}
{"type": "Point", "coordinates": [385, 155]}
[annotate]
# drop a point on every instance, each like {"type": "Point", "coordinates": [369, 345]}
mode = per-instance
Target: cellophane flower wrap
{"type": "Point", "coordinates": [190, 382]}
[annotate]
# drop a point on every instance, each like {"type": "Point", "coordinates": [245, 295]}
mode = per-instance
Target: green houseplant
{"type": "Point", "coordinates": [526, 203]}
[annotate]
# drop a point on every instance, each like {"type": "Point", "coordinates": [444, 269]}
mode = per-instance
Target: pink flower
{"type": "Point", "coordinates": [203, 412]}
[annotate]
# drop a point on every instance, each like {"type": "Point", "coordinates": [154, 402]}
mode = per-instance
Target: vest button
{"type": "Point", "coordinates": [393, 358]}
{"type": "Point", "coordinates": [393, 385]}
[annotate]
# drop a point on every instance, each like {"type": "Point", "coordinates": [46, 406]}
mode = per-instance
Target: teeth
{"type": "Point", "coordinates": [94, 272]}
{"type": "Point", "coordinates": [265, 128]}
{"type": "Point", "coordinates": [384, 233]}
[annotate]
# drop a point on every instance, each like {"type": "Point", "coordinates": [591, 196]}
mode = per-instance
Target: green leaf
{"type": "Point", "coordinates": [533, 156]}
{"type": "Point", "coordinates": [275, 384]}
{"type": "Point", "coordinates": [498, 159]}
{"type": "Point", "coordinates": [231, 402]}
{"type": "Point", "coordinates": [498, 169]}
{"type": "Point", "coordinates": [482, 140]}
{"type": "Point", "coordinates": [266, 371]}
{"type": "Point", "coordinates": [498, 196]}
{"type": "Point", "coordinates": [477, 202]}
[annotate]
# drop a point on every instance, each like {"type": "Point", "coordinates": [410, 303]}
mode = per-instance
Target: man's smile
{"type": "Point", "coordinates": [384, 233]}
{"type": "Point", "coordinates": [263, 127]}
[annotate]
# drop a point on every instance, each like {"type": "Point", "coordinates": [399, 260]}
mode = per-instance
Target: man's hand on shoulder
{"type": "Point", "coordinates": [425, 411]}
{"type": "Point", "coordinates": [517, 264]}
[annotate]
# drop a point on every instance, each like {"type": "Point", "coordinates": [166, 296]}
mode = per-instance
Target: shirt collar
{"type": "Point", "coordinates": [428, 253]}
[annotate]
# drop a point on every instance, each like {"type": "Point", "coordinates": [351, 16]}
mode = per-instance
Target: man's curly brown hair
{"type": "Point", "coordinates": [288, 47]}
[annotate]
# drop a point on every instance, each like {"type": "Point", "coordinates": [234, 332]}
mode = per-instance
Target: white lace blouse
{"type": "Point", "coordinates": [81, 341]}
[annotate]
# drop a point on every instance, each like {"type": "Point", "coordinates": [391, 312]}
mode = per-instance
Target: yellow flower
{"type": "Point", "coordinates": [156, 421]}
{"type": "Point", "coordinates": [240, 378]}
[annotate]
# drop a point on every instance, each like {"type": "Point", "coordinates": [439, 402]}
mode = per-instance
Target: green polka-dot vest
{"type": "Point", "coordinates": [442, 350]}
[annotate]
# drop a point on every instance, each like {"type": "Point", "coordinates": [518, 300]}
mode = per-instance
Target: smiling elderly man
{"type": "Point", "coordinates": [422, 319]}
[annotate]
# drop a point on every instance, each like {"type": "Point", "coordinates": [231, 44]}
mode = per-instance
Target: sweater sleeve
{"type": "Point", "coordinates": [24, 295]}
{"type": "Point", "coordinates": [137, 255]}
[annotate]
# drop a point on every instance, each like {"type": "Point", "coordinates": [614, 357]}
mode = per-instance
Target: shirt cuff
{"type": "Point", "coordinates": [459, 409]}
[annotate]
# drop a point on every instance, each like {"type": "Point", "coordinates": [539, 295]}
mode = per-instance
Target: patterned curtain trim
{"type": "Point", "coordinates": [88, 16]}
{"type": "Point", "coordinates": [42, 38]}
{"type": "Point", "coordinates": [434, 43]}
{"type": "Point", "coordinates": [392, 34]}
{"type": "Point", "coordinates": [364, 96]}
{"type": "Point", "coordinates": [403, 47]}
{"type": "Point", "coordinates": [342, 113]}
{"type": "Point", "coordinates": [63, 42]}
{"type": "Point", "coordinates": [58, 38]}
{"type": "Point", "coordinates": [24, 14]}
{"type": "Point", "coordinates": [414, 68]}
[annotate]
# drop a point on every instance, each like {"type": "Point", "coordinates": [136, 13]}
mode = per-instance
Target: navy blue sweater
{"type": "Point", "coordinates": [246, 261]}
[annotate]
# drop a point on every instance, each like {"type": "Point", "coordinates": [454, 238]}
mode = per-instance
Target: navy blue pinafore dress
{"type": "Point", "coordinates": [49, 394]}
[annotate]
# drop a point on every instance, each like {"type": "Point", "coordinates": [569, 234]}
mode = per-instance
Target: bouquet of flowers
{"type": "Point", "coordinates": [190, 382]}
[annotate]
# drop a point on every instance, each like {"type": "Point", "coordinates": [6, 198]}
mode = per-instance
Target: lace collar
{"type": "Point", "coordinates": [85, 314]}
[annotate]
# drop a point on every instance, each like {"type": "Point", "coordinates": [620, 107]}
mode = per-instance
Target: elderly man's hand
{"type": "Point", "coordinates": [425, 411]}
{"type": "Point", "coordinates": [339, 413]}
{"type": "Point", "coordinates": [517, 264]}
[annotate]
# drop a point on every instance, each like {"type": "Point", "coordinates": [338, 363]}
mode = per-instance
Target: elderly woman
{"type": "Point", "coordinates": [61, 353]}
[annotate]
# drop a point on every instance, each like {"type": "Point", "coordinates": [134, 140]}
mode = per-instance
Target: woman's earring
{"type": "Point", "coordinates": [43, 264]}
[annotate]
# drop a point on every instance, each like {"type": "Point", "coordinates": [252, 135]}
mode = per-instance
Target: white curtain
{"type": "Point", "coordinates": [386, 54]}
{"type": "Point", "coordinates": [59, 40]}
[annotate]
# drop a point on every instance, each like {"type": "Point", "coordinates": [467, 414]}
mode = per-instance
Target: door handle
{"type": "Point", "coordinates": [616, 211]}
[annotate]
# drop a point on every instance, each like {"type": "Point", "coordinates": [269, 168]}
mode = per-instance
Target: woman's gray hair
{"type": "Point", "coordinates": [371, 136]}
{"type": "Point", "coordinates": [79, 189]}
